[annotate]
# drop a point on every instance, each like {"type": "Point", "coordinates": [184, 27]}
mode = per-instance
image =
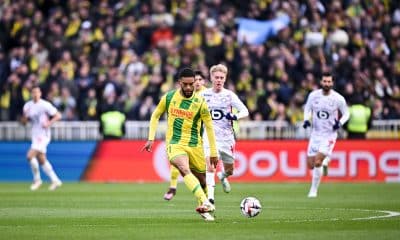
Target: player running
{"type": "Point", "coordinates": [323, 106]}
{"type": "Point", "coordinates": [221, 102]}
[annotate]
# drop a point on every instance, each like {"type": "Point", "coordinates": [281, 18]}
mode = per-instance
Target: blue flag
{"type": "Point", "coordinates": [257, 32]}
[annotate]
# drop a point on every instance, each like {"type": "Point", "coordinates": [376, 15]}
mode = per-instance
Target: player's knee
{"type": "Point", "coordinates": [318, 163]}
{"type": "Point", "coordinates": [229, 172]}
{"type": "Point", "coordinates": [210, 169]}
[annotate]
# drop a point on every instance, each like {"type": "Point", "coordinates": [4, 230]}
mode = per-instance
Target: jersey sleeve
{"type": "Point", "coordinates": [50, 109]}
{"type": "Point", "coordinates": [343, 110]}
{"type": "Point", "coordinates": [208, 123]}
{"type": "Point", "coordinates": [307, 108]}
{"type": "Point", "coordinates": [25, 109]}
{"type": "Point", "coordinates": [240, 107]}
{"type": "Point", "coordinates": [155, 117]}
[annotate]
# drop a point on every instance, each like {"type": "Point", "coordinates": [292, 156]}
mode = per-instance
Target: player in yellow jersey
{"type": "Point", "coordinates": [186, 111]}
{"type": "Point", "coordinates": [199, 82]}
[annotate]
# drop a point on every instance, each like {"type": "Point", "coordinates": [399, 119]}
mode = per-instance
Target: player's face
{"type": "Point", "coordinates": [327, 83]}
{"type": "Point", "coordinates": [218, 79]}
{"type": "Point", "coordinates": [36, 94]}
{"type": "Point", "coordinates": [187, 86]}
{"type": "Point", "coordinates": [198, 82]}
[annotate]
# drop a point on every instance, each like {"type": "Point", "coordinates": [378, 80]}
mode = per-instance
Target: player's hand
{"type": "Point", "coordinates": [306, 124]}
{"type": "Point", "coordinates": [214, 161]}
{"type": "Point", "coordinates": [148, 146]}
{"type": "Point", "coordinates": [337, 125]}
{"type": "Point", "coordinates": [231, 116]}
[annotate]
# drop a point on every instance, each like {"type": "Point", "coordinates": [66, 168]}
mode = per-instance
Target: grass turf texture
{"type": "Point", "coordinates": [138, 211]}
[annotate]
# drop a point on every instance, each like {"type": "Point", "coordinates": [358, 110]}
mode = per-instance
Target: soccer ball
{"type": "Point", "coordinates": [250, 207]}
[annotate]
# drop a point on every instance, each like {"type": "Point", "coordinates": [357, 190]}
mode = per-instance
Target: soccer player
{"type": "Point", "coordinates": [199, 81]}
{"type": "Point", "coordinates": [186, 111]}
{"type": "Point", "coordinates": [323, 106]}
{"type": "Point", "coordinates": [220, 102]}
{"type": "Point", "coordinates": [42, 114]}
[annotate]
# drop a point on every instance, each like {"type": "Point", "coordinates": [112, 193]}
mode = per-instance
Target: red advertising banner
{"type": "Point", "coordinates": [256, 161]}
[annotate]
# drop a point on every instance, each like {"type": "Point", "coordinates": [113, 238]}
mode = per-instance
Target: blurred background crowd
{"type": "Point", "coordinates": [89, 56]}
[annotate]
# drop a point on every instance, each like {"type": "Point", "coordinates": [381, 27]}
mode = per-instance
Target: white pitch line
{"type": "Point", "coordinates": [389, 215]}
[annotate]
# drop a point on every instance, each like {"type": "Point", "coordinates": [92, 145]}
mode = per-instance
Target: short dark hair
{"type": "Point", "coordinates": [200, 73]}
{"type": "Point", "coordinates": [186, 72]}
{"type": "Point", "coordinates": [327, 74]}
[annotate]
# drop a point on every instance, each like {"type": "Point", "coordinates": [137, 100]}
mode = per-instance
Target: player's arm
{"type": "Point", "coordinates": [24, 118]}
{"type": "Point", "coordinates": [344, 111]}
{"type": "Point", "coordinates": [307, 112]}
{"type": "Point", "coordinates": [208, 123]}
{"type": "Point", "coordinates": [54, 113]}
{"type": "Point", "coordinates": [307, 109]}
{"type": "Point", "coordinates": [240, 107]}
{"type": "Point", "coordinates": [155, 117]}
{"type": "Point", "coordinates": [56, 117]}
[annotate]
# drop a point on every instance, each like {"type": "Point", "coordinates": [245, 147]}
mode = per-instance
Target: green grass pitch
{"type": "Point", "coordinates": [138, 211]}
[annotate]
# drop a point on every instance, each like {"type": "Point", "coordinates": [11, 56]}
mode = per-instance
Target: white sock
{"type": "Point", "coordinates": [316, 178]}
{"type": "Point", "coordinates": [48, 169]}
{"type": "Point", "coordinates": [326, 161]}
{"type": "Point", "coordinates": [210, 180]}
{"type": "Point", "coordinates": [35, 169]}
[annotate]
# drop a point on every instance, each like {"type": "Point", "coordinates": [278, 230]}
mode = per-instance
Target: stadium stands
{"type": "Point", "coordinates": [83, 52]}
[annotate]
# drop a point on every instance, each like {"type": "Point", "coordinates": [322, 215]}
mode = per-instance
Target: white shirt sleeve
{"type": "Point", "coordinates": [344, 111]}
{"type": "Point", "coordinates": [239, 105]}
{"type": "Point", "coordinates": [50, 109]}
{"type": "Point", "coordinates": [307, 108]}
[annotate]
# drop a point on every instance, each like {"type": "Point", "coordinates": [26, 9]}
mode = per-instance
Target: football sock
{"type": "Point", "coordinates": [326, 161]}
{"type": "Point", "coordinates": [210, 180]}
{"type": "Point", "coordinates": [193, 184]}
{"type": "Point", "coordinates": [174, 177]}
{"type": "Point", "coordinates": [48, 169]}
{"type": "Point", "coordinates": [316, 178]}
{"type": "Point", "coordinates": [224, 174]}
{"type": "Point", "coordinates": [35, 169]}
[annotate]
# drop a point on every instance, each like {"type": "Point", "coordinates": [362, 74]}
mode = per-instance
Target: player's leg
{"type": "Point", "coordinates": [174, 174]}
{"type": "Point", "coordinates": [48, 169]}
{"type": "Point", "coordinates": [46, 165]}
{"type": "Point", "coordinates": [316, 175]}
{"type": "Point", "coordinates": [210, 176]}
{"type": "Point", "coordinates": [325, 165]}
{"type": "Point", "coordinates": [228, 162]}
{"type": "Point", "coordinates": [33, 162]}
{"type": "Point", "coordinates": [179, 157]}
{"type": "Point", "coordinates": [325, 148]}
{"type": "Point", "coordinates": [311, 154]}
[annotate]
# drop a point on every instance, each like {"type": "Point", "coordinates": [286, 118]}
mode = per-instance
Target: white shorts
{"type": "Point", "coordinates": [323, 145]}
{"type": "Point", "coordinates": [225, 152]}
{"type": "Point", "coordinates": [40, 143]}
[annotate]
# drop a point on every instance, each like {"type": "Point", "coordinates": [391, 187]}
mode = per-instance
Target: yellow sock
{"type": "Point", "coordinates": [193, 184]}
{"type": "Point", "coordinates": [174, 177]}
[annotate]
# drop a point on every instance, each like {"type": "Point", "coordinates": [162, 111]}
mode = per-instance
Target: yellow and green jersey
{"type": "Point", "coordinates": [184, 120]}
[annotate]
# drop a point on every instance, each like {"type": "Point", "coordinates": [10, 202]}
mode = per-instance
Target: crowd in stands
{"type": "Point", "coordinates": [88, 55]}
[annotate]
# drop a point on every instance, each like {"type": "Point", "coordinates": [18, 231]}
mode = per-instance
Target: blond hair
{"type": "Point", "coordinates": [219, 68]}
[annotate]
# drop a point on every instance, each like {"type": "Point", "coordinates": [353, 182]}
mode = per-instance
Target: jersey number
{"type": "Point", "coordinates": [217, 114]}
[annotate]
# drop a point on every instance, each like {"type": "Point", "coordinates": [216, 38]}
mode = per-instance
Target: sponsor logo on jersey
{"type": "Point", "coordinates": [181, 113]}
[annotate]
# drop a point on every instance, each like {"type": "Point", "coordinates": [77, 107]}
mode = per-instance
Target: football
{"type": "Point", "coordinates": [250, 207]}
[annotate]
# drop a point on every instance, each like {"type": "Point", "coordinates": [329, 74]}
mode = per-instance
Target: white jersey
{"type": "Point", "coordinates": [324, 110]}
{"type": "Point", "coordinates": [219, 105]}
{"type": "Point", "coordinates": [38, 114]}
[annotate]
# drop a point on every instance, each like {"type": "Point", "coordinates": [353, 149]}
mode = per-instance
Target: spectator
{"type": "Point", "coordinates": [131, 43]}
{"type": "Point", "coordinates": [360, 119]}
